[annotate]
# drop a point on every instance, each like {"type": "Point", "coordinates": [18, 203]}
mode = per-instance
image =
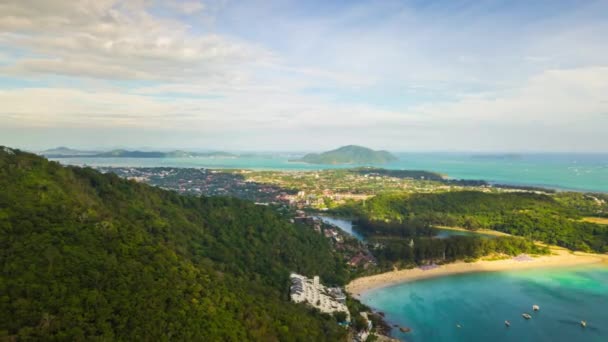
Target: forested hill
{"type": "Point", "coordinates": [89, 256]}
{"type": "Point", "coordinates": [350, 154]}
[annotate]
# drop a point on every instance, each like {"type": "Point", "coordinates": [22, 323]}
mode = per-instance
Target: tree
{"type": "Point", "coordinates": [340, 316]}
{"type": "Point", "coordinates": [360, 323]}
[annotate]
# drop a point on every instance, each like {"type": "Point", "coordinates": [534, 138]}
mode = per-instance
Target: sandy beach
{"type": "Point", "coordinates": [479, 231]}
{"type": "Point", "coordinates": [559, 258]}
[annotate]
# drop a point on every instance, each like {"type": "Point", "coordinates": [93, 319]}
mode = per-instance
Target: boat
{"type": "Point", "coordinates": [535, 307]}
{"type": "Point", "coordinates": [584, 324]}
{"type": "Point", "coordinates": [507, 323]}
{"type": "Point", "coordinates": [526, 315]}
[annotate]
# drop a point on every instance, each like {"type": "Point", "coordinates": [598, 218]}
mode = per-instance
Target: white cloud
{"type": "Point", "coordinates": [116, 40]}
{"type": "Point", "coordinates": [188, 7]}
{"type": "Point", "coordinates": [554, 97]}
{"type": "Point", "coordinates": [448, 78]}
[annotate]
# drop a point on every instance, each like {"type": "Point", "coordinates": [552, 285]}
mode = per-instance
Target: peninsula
{"type": "Point", "coordinates": [351, 154]}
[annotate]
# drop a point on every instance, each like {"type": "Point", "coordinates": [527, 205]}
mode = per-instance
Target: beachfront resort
{"type": "Point", "coordinates": [312, 292]}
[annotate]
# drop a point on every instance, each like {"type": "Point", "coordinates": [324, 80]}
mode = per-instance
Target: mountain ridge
{"type": "Point", "coordinates": [91, 256]}
{"type": "Point", "coordinates": [65, 152]}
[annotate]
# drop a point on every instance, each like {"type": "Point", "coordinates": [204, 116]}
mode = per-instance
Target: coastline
{"type": "Point", "coordinates": [559, 257]}
{"type": "Point", "coordinates": [284, 164]}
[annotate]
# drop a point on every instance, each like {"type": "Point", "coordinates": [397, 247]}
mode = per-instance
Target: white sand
{"type": "Point", "coordinates": [560, 258]}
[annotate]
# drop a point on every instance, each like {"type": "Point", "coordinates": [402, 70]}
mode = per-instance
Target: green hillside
{"type": "Point", "coordinates": [350, 154]}
{"type": "Point", "coordinates": [89, 256]}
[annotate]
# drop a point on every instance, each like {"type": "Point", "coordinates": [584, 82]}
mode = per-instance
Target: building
{"type": "Point", "coordinates": [315, 294]}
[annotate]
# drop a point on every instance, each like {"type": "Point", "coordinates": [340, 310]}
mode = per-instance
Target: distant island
{"type": "Point", "coordinates": [64, 152]}
{"type": "Point", "coordinates": [351, 154]}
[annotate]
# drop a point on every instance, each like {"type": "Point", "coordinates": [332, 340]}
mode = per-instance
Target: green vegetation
{"type": "Point", "coordinates": [412, 242]}
{"type": "Point", "coordinates": [333, 188]}
{"type": "Point", "coordinates": [551, 219]}
{"type": "Point", "coordinates": [87, 256]}
{"type": "Point", "coordinates": [350, 154]}
{"type": "Point", "coordinates": [585, 204]}
{"type": "Point", "coordinates": [412, 228]}
{"type": "Point", "coordinates": [407, 253]}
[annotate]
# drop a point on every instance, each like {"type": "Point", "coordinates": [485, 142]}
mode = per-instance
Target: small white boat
{"type": "Point", "coordinates": [584, 324]}
{"type": "Point", "coordinates": [507, 323]}
{"type": "Point", "coordinates": [535, 307]}
{"type": "Point", "coordinates": [526, 315]}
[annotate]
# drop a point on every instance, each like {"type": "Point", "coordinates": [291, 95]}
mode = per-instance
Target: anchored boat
{"type": "Point", "coordinates": [526, 315]}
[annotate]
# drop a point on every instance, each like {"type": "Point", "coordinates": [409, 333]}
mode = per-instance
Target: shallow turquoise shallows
{"type": "Point", "coordinates": [480, 303]}
{"type": "Point", "coordinates": [587, 172]}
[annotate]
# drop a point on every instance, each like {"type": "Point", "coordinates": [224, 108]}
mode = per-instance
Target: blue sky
{"type": "Point", "coordinates": [305, 75]}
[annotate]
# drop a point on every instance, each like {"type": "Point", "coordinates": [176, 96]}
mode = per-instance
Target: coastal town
{"type": "Point", "coordinates": [205, 182]}
{"type": "Point", "coordinates": [317, 190]}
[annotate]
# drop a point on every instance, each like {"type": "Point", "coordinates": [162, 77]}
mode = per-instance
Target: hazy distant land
{"type": "Point", "coordinates": [64, 152]}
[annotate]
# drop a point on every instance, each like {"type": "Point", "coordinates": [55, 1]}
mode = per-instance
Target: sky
{"type": "Point", "coordinates": [454, 75]}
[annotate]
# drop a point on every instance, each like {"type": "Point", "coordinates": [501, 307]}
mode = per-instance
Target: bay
{"type": "Point", "coordinates": [480, 303]}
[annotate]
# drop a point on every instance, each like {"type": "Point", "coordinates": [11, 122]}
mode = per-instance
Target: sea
{"type": "Point", "coordinates": [563, 171]}
{"type": "Point", "coordinates": [474, 307]}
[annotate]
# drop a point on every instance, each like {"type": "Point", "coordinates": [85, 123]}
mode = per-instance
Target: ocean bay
{"type": "Point", "coordinates": [473, 307]}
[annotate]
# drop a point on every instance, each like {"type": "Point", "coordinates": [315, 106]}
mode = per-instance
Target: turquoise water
{"type": "Point", "coordinates": [565, 171]}
{"type": "Point", "coordinates": [481, 302]}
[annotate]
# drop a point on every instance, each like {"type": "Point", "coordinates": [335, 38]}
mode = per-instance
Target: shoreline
{"type": "Point", "coordinates": [560, 257]}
